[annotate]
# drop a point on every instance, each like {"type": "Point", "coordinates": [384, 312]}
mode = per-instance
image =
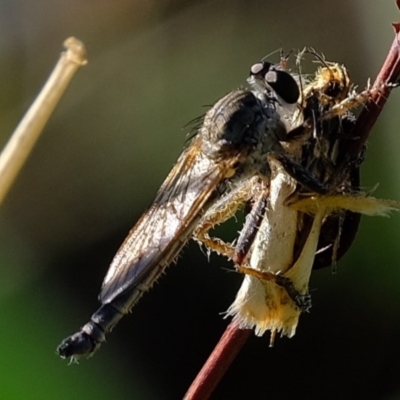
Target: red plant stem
{"type": "Point", "coordinates": [234, 338]}
{"type": "Point", "coordinates": [389, 74]}
{"type": "Point", "coordinates": [218, 362]}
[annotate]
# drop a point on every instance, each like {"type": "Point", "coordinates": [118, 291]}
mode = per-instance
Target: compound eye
{"type": "Point", "coordinates": [260, 69]}
{"type": "Point", "coordinates": [283, 84]}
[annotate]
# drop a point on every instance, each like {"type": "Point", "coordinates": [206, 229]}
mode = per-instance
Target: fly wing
{"type": "Point", "coordinates": [224, 144]}
{"type": "Point", "coordinates": [161, 232]}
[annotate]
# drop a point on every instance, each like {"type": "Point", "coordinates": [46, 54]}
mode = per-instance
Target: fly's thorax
{"type": "Point", "coordinates": [270, 130]}
{"type": "Point", "coordinates": [236, 124]}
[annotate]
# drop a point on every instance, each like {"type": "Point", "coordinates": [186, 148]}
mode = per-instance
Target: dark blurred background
{"type": "Point", "coordinates": [111, 142]}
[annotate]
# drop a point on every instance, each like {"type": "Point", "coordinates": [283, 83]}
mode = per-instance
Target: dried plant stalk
{"type": "Point", "coordinates": [27, 132]}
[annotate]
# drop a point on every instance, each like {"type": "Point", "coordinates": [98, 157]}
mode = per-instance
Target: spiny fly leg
{"type": "Point", "coordinates": [303, 302]}
{"type": "Point", "coordinates": [224, 209]}
{"type": "Point", "coordinates": [301, 174]}
{"type": "Point", "coordinates": [250, 228]}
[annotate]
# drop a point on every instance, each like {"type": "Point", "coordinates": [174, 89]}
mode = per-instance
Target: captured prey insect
{"type": "Point", "coordinates": [325, 153]}
{"type": "Point", "coordinates": [233, 146]}
{"type": "Point", "coordinates": [288, 231]}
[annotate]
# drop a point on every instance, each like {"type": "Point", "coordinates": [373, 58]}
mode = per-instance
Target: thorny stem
{"type": "Point", "coordinates": [234, 338]}
{"type": "Point", "coordinates": [387, 78]}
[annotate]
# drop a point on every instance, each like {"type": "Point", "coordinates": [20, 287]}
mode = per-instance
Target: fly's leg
{"type": "Point", "coordinates": [250, 229]}
{"type": "Point", "coordinates": [244, 243]}
{"type": "Point", "coordinates": [301, 301]}
{"type": "Point", "coordinates": [301, 174]}
{"type": "Point", "coordinates": [295, 279]}
{"type": "Point", "coordinates": [225, 208]}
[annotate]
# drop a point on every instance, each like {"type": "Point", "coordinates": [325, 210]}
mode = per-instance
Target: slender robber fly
{"type": "Point", "coordinates": [233, 146]}
{"type": "Point", "coordinates": [232, 159]}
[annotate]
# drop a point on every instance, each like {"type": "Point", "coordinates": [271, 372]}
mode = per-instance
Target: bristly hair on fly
{"type": "Point", "coordinates": [194, 126]}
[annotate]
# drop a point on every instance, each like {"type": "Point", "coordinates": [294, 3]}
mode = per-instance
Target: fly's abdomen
{"type": "Point", "coordinates": [92, 334]}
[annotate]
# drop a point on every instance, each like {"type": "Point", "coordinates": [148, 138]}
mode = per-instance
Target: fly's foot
{"type": "Point", "coordinates": [303, 302]}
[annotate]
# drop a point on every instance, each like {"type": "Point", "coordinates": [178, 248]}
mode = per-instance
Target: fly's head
{"type": "Point", "coordinates": [271, 80]}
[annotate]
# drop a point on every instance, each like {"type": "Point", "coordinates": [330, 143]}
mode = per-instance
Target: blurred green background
{"type": "Point", "coordinates": [112, 140]}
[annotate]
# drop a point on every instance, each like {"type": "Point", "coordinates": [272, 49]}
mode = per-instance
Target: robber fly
{"type": "Point", "coordinates": [233, 145]}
